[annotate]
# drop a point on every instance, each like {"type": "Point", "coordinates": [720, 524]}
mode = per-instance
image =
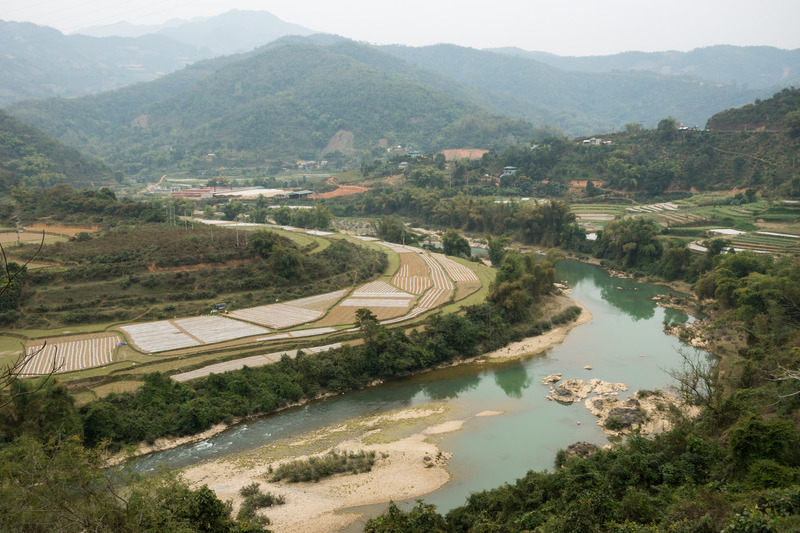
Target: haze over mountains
{"type": "Point", "coordinates": [232, 32]}
{"type": "Point", "coordinates": [288, 96]}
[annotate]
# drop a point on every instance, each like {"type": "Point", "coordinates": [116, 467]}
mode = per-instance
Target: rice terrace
{"type": "Point", "coordinates": [415, 282]}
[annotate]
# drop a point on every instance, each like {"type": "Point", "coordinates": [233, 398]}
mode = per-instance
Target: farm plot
{"type": "Point", "coordinates": [69, 355]}
{"type": "Point", "coordinates": [413, 274]}
{"type": "Point", "coordinates": [210, 329]}
{"type": "Point", "coordinates": [466, 280]}
{"type": "Point", "coordinates": [455, 270]}
{"type": "Point", "coordinates": [159, 336]}
{"type": "Point", "coordinates": [378, 294]}
{"type": "Point", "coordinates": [277, 316]}
{"type": "Point", "coordinates": [767, 242]}
{"type": "Point", "coordinates": [383, 299]}
{"type": "Point", "coordinates": [400, 248]}
{"type": "Point", "coordinates": [442, 286]}
{"type": "Point", "coordinates": [253, 361]}
{"type": "Point", "coordinates": [320, 302]}
{"type": "Point", "coordinates": [679, 219]}
{"type": "Point", "coordinates": [299, 334]}
{"type": "Point", "coordinates": [187, 332]}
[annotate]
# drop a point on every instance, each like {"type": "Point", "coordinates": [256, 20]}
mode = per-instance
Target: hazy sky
{"type": "Point", "coordinates": [566, 27]}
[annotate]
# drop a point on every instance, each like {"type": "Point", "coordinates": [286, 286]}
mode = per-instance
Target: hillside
{"type": "Point", "coordinates": [585, 102]}
{"type": "Point", "coordinates": [779, 113]}
{"type": "Point", "coordinates": [40, 62]}
{"type": "Point", "coordinates": [280, 102]}
{"type": "Point", "coordinates": [29, 158]}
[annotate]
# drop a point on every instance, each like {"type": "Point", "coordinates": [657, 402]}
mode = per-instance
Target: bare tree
{"type": "Point", "coordinates": [785, 374]}
{"type": "Point", "coordinates": [697, 379]}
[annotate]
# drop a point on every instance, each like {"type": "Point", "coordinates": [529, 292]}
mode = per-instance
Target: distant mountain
{"type": "Point", "coordinates": [280, 102]}
{"type": "Point", "coordinates": [29, 157]}
{"type": "Point", "coordinates": [40, 62]}
{"type": "Point", "coordinates": [747, 67]}
{"type": "Point", "coordinates": [231, 32]}
{"type": "Point", "coordinates": [608, 100]}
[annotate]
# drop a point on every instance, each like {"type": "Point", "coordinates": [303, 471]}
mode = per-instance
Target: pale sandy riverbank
{"type": "Point", "coordinates": [534, 345]}
{"type": "Point", "coordinates": [407, 467]}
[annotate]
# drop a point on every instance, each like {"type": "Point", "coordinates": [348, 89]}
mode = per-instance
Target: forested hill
{"type": "Point", "coordinates": [29, 157]}
{"type": "Point", "coordinates": [779, 113]}
{"type": "Point", "coordinates": [609, 99]}
{"type": "Point", "coordinates": [282, 102]}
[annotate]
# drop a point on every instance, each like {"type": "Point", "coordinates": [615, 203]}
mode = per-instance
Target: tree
{"type": "Point", "coordinates": [423, 518]}
{"type": "Point", "coordinates": [667, 128]}
{"type": "Point", "coordinates": [282, 215]}
{"type": "Point", "coordinates": [454, 244]}
{"type": "Point", "coordinates": [264, 242]}
{"type": "Point", "coordinates": [368, 323]}
{"type": "Point", "coordinates": [233, 209]}
{"type": "Point", "coordinates": [793, 123]}
{"type": "Point", "coordinates": [286, 262]}
{"type": "Point", "coordinates": [392, 229]}
{"type": "Point", "coordinates": [62, 486]}
{"type": "Point", "coordinates": [697, 380]}
{"type": "Point", "coordinates": [497, 249]}
{"type": "Point", "coordinates": [427, 177]}
{"type": "Point", "coordinates": [633, 127]}
{"type": "Point", "coordinates": [321, 217]}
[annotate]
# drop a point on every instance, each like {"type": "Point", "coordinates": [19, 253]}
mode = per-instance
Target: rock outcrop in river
{"type": "Point", "coordinates": [574, 390]}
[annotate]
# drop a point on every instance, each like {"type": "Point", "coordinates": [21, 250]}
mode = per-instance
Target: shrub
{"type": "Point", "coordinates": [316, 468]}
{"type": "Point", "coordinates": [254, 500]}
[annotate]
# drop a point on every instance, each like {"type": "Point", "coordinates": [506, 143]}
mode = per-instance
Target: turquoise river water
{"type": "Point", "coordinates": [624, 342]}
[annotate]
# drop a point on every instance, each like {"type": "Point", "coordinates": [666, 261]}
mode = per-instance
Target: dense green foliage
{"type": "Point", "coordinates": [454, 244]}
{"type": "Point", "coordinates": [546, 224]}
{"type": "Point", "coordinates": [29, 158]}
{"type": "Point", "coordinates": [59, 485]}
{"type": "Point", "coordinates": [522, 280]}
{"type": "Point", "coordinates": [64, 203]}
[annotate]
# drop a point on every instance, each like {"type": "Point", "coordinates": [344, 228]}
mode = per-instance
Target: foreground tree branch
{"type": "Point", "coordinates": [11, 372]}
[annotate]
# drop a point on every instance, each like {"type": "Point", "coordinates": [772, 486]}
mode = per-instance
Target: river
{"type": "Point", "coordinates": [624, 342]}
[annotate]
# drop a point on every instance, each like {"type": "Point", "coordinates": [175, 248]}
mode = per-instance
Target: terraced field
{"type": "Point", "coordinates": [768, 242]}
{"type": "Point", "coordinates": [69, 354]}
{"type": "Point", "coordinates": [167, 335]}
{"type": "Point", "coordinates": [422, 281]}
